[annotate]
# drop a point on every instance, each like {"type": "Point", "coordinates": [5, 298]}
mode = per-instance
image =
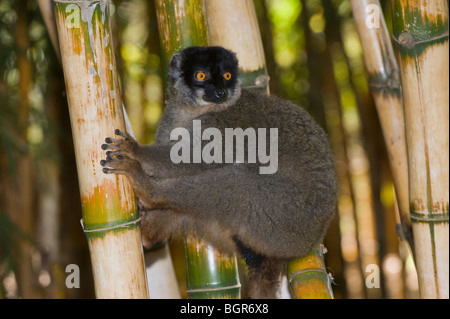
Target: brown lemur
{"type": "Point", "coordinates": [267, 218]}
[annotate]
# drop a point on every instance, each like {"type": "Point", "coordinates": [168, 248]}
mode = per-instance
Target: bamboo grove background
{"type": "Point", "coordinates": [314, 58]}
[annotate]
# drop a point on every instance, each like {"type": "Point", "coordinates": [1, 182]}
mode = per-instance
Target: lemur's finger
{"type": "Point", "coordinates": [112, 153]}
{"type": "Point", "coordinates": [123, 134]}
{"type": "Point", "coordinates": [112, 143]}
{"type": "Point", "coordinates": [107, 170]}
{"type": "Point", "coordinates": [113, 171]}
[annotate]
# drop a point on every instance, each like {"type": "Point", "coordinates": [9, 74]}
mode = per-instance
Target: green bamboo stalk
{"type": "Point", "coordinates": [421, 33]}
{"type": "Point", "coordinates": [181, 24]}
{"type": "Point", "coordinates": [205, 281]}
{"type": "Point", "coordinates": [110, 215]}
{"type": "Point", "coordinates": [209, 273]}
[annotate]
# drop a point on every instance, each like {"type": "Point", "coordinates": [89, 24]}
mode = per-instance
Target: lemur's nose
{"type": "Point", "coordinates": [219, 94]}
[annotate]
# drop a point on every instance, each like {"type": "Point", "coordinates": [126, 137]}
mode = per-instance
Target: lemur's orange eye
{"type": "Point", "coordinates": [200, 76]}
{"type": "Point", "coordinates": [227, 76]}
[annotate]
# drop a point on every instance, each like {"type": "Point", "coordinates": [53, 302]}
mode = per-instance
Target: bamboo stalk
{"type": "Point", "coordinates": [46, 8]}
{"type": "Point", "coordinates": [110, 216]}
{"type": "Point", "coordinates": [308, 278]}
{"type": "Point", "coordinates": [384, 82]}
{"type": "Point", "coordinates": [207, 281]}
{"type": "Point", "coordinates": [162, 281]}
{"type": "Point", "coordinates": [242, 36]}
{"type": "Point", "coordinates": [421, 34]}
{"type": "Point", "coordinates": [181, 24]}
{"type": "Point", "coordinates": [21, 195]}
{"type": "Point", "coordinates": [209, 273]}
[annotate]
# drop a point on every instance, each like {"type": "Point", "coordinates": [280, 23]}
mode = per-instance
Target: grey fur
{"type": "Point", "coordinates": [279, 216]}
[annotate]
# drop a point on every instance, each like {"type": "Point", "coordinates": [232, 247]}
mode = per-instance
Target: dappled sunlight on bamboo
{"type": "Point", "coordinates": [392, 267]}
{"type": "Point", "coordinates": [44, 278]}
{"type": "Point", "coordinates": [35, 135]}
{"type": "Point", "coordinates": [287, 38]}
{"type": "Point", "coordinates": [411, 280]}
{"type": "Point", "coordinates": [317, 23]}
{"type": "Point", "coordinates": [10, 285]}
{"type": "Point", "coordinates": [153, 90]}
{"type": "Point", "coordinates": [358, 170]}
{"type": "Point", "coordinates": [142, 77]}
{"type": "Point", "coordinates": [349, 246]}
{"type": "Point", "coordinates": [354, 281]}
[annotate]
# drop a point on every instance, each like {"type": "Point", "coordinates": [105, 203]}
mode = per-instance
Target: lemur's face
{"type": "Point", "coordinates": [209, 75]}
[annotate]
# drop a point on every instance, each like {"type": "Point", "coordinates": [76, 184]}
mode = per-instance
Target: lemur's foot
{"type": "Point", "coordinates": [119, 157]}
{"type": "Point", "coordinates": [126, 145]}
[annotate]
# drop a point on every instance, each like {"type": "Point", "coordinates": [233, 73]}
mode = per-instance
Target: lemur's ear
{"type": "Point", "coordinates": [175, 65]}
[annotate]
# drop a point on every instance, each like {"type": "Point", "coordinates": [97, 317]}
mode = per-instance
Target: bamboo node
{"type": "Point", "coordinates": [429, 217]}
{"type": "Point", "coordinates": [133, 222]}
{"type": "Point", "coordinates": [210, 289]}
{"type": "Point", "coordinates": [405, 39]}
{"type": "Point", "coordinates": [303, 271]}
{"type": "Point", "coordinates": [260, 82]}
{"type": "Point", "coordinates": [331, 278]}
{"type": "Point", "coordinates": [393, 81]}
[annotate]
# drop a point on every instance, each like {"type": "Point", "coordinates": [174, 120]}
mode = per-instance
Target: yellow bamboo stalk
{"type": "Point", "coordinates": [242, 36]}
{"type": "Point", "coordinates": [421, 34]}
{"type": "Point", "coordinates": [384, 82]}
{"type": "Point", "coordinates": [46, 8]}
{"type": "Point", "coordinates": [308, 278]}
{"type": "Point", "coordinates": [110, 216]}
